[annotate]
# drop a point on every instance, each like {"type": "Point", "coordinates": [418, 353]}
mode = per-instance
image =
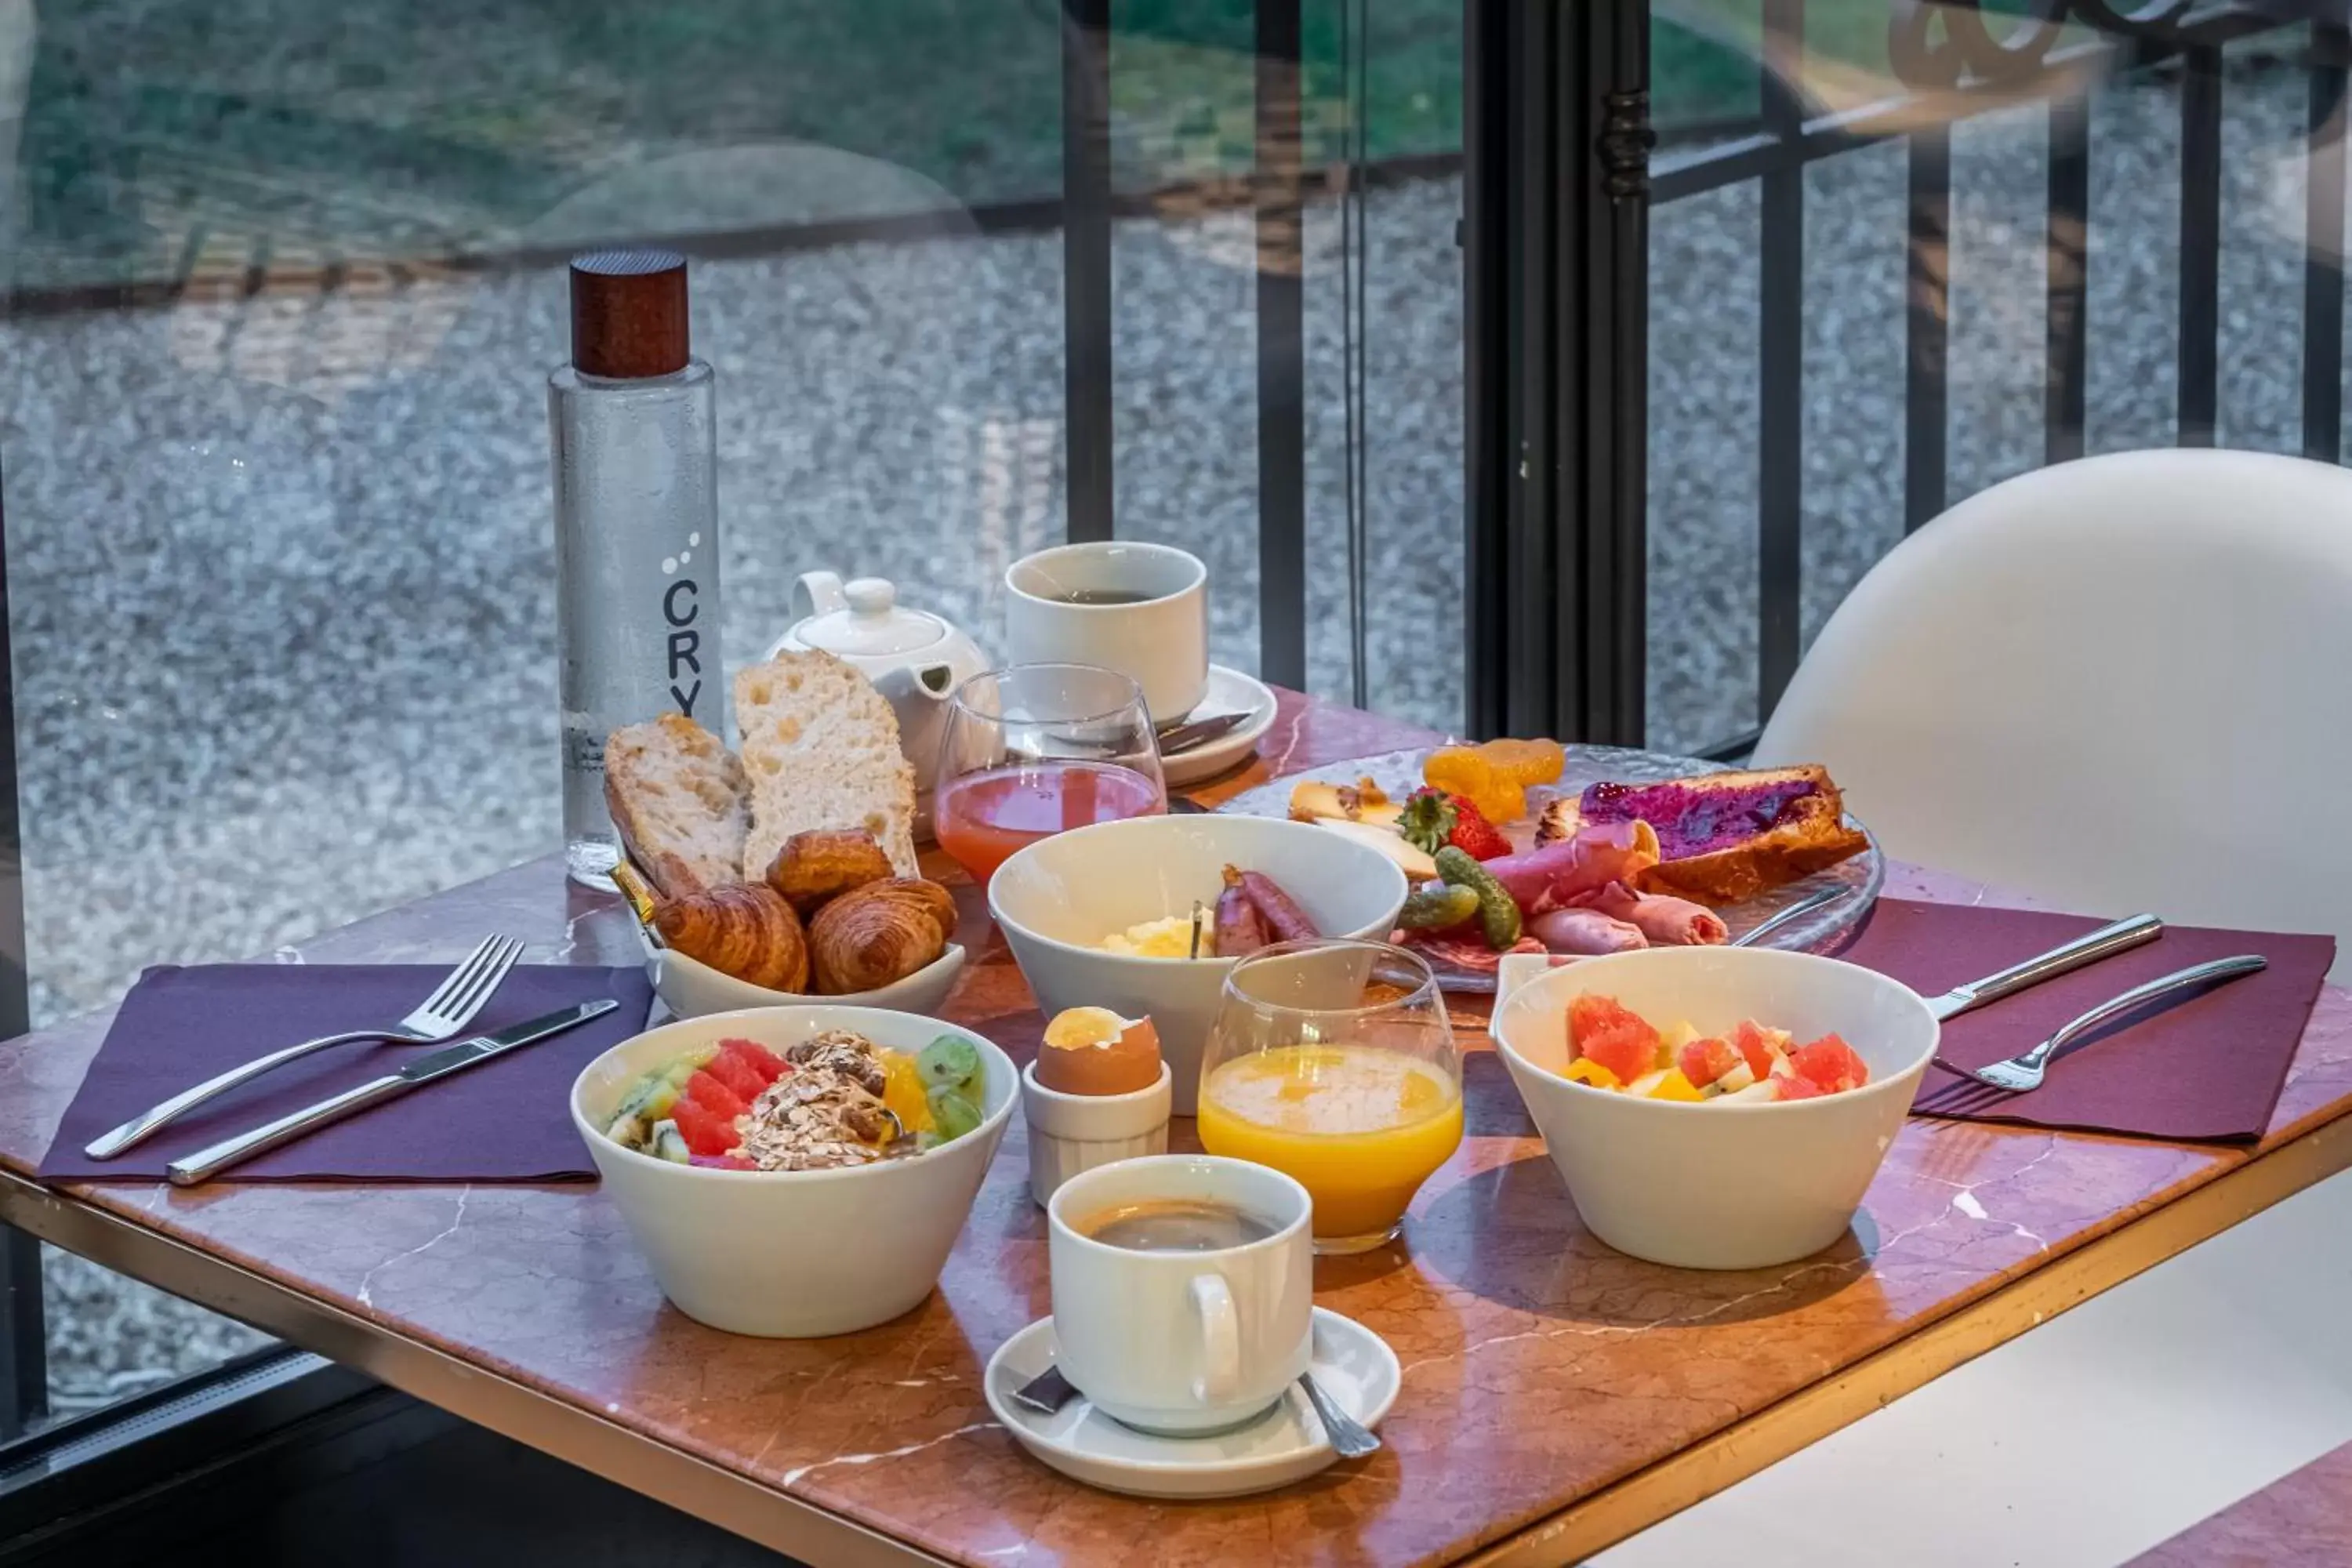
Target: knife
{"type": "Point", "coordinates": [1200, 731]}
{"type": "Point", "coordinates": [206, 1163]}
{"type": "Point", "coordinates": [2088, 948]}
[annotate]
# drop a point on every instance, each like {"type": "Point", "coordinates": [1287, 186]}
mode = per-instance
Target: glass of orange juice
{"type": "Point", "coordinates": [1334, 1063]}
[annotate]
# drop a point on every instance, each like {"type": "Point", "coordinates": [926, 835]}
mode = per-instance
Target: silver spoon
{"type": "Point", "coordinates": [1350, 1438]}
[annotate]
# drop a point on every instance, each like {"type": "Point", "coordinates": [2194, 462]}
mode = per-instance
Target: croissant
{"type": "Point", "coordinates": [879, 933]}
{"type": "Point", "coordinates": [825, 862]}
{"type": "Point", "coordinates": [745, 928]}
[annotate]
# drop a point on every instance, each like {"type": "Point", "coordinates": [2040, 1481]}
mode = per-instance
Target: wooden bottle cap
{"type": "Point", "coordinates": [628, 313]}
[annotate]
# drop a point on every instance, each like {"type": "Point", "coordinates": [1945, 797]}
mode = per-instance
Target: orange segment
{"type": "Point", "coordinates": [1584, 1070]}
{"type": "Point", "coordinates": [1672, 1085]}
{"type": "Point", "coordinates": [1525, 762]}
{"type": "Point", "coordinates": [902, 1093]}
{"type": "Point", "coordinates": [1463, 771]}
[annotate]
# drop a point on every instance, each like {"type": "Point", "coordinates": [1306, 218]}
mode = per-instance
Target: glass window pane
{"type": "Point", "coordinates": [1989, 278]}
{"type": "Point", "coordinates": [287, 283]}
{"type": "Point", "coordinates": [1703, 470]}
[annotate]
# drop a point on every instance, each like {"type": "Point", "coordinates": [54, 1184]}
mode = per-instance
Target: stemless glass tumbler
{"type": "Point", "coordinates": [1334, 1063]}
{"type": "Point", "coordinates": [1037, 748]}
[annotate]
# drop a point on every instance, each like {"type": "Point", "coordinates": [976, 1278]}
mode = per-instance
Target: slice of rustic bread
{"type": "Point", "coordinates": [681, 802]}
{"type": "Point", "coordinates": [821, 747]}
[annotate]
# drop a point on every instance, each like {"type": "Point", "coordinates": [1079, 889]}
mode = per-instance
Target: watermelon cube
{"type": "Point", "coordinates": [1704, 1060]}
{"type": "Point", "coordinates": [1831, 1064]}
{"type": "Point", "coordinates": [705, 1131]}
{"type": "Point", "coordinates": [722, 1162]}
{"type": "Point", "coordinates": [741, 1078]}
{"type": "Point", "coordinates": [1759, 1046]}
{"type": "Point", "coordinates": [1612, 1035]}
{"type": "Point", "coordinates": [713, 1095]}
{"type": "Point", "coordinates": [757, 1056]}
{"type": "Point", "coordinates": [1795, 1086]}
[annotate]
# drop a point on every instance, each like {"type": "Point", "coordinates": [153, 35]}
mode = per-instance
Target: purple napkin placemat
{"type": "Point", "coordinates": [509, 1119]}
{"type": "Point", "coordinates": [2208, 1066]}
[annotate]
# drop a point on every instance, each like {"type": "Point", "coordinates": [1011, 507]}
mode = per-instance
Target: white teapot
{"type": "Point", "coordinates": [914, 659]}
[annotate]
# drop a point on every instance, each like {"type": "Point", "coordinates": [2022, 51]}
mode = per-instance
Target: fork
{"type": "Point", "coordinates": [2023, 1072]}
{"type": "Point", "coordinates": [449, 1009]}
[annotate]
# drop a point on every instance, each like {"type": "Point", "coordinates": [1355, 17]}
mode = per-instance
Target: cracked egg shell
{"type": "Point", "coordinates": [1093, 1050]}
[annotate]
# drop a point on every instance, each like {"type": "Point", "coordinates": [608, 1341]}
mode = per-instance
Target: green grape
{"type": "Point", "coordinates": [948, 1062]}
{"type": "Point", "coordinates": [954, 1115]}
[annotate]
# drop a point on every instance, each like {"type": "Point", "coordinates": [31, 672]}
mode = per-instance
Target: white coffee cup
{"type": "Point", "coordinates": [1162, 639]}
{"type": "Point", "coordinates": [1182, 1342]}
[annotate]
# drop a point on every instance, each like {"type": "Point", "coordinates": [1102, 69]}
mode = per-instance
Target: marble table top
{"type": "Point", "coordinates": [1540, 1366]}
{"type": "Point", "coordinates": [2303, 1520]}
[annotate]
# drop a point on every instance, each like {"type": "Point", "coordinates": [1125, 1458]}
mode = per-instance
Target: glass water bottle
{"type": "Point", "coordinates": [636, 529]}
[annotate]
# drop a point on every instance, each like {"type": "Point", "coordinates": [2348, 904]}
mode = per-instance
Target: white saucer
{"type": "Point", "coordinates": [1229, 691]}
{"type": "Point", "coordinates": [1353, 1364]}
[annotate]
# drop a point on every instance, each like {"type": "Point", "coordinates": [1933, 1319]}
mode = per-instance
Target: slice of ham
{"type": "Point", "coordinates": [1565, 871]}
{"type": "Point", "coordinates": [1585, 932]}
{"type": "Point", "coordinates": [1471, 955]}
{"type": "Point", "coordinates": [1666, 921]}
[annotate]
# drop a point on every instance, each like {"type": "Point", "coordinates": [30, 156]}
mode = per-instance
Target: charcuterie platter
{"type": "Point", "coordinates": [1616, 848]}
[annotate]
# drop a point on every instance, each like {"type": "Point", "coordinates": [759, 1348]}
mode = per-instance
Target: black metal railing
{"type": "Point", "coordinates": [1950, 64]}
{"type": "Point", "coordinates": [1279, 184]}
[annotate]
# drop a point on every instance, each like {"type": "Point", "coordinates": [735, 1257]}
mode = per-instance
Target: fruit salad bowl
{"type": "Point", "coordinates": [793, 1254]}
{"type": "Point", "coordinates": [1719, 1185]}
{"type": "Point", "coordinates": [1058, 898]}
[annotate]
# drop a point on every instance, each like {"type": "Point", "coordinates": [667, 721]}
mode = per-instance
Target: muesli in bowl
{"type": "Point", "coordinates": [832, 1100]}
{"type": "Point", "coordinates": [816, 1204]}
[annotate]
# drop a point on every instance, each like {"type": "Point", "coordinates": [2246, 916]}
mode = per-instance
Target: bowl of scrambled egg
{"type": "Point", "coordinates": [1122, 914]}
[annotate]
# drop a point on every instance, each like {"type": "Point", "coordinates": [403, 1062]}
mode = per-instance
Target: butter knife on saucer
{"type": "Point", "coordinates": [206, 1163]}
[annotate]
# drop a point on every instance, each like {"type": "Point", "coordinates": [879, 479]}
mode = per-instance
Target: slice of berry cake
{"type": "Point", "coordinates": [1723, 838]}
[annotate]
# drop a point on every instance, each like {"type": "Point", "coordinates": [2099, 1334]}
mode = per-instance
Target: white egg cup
{"type": "Point", "coordinates": [1073, 1132]}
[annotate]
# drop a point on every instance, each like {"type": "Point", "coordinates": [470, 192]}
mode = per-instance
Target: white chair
{"type": "Point", "coordinates": [2116, 684]}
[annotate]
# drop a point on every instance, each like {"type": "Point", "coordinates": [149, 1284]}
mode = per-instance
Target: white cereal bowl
{"type": "Point", "coordinates": [1719, 1186]}
{"type": "Point", "coordinates": [1057, 898]}
{"type": "Point", "coordinates": [690, 988]}
{"type": "Point", "coordinates": [793, 1254]}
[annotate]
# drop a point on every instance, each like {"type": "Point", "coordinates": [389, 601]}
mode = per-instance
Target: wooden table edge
{"type": "Point", "coordinates": [1660, 1490]}
{"type": "Point", "coordinates": [733, 1501]}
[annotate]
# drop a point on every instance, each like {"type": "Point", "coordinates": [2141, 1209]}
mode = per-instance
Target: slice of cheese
{"type": "Point", "coordinates": [1316, 801]}
{"type": "Point", "coordinates": [1409, 859]}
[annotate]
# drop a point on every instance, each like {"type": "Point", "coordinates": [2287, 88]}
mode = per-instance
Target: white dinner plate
{"type": "Point", "coordinates": [1353, 1364]}
{"type": "Point", "coordinates": [1229, 691]}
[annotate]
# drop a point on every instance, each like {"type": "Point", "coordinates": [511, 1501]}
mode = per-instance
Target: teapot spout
{"type": "Point", "coordinates": [916, 684]}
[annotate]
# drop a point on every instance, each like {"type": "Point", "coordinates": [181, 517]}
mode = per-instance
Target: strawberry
{"type": "Point", "coordinates": [1475, 836]}
{"type": "Point", "coordinates": [1434, 820]}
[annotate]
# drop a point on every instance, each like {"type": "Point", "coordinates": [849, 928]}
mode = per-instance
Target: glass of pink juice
{"type": "Point", "coordinates": [1035, 749]}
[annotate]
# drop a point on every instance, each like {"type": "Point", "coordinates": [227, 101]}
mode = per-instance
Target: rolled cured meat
{"type": "Point", "coordinates": [1585, 932]}
{"type": "Point", "coordinates": [1568, 870]}
{"type": "Point", "coordinates": [1666, 920]}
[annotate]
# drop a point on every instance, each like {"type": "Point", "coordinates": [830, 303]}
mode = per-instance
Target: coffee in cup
{"type": "Point", "coordinates": [1184, 1289]}
{"type": "Point", "coordinates": [1176, 1225]}
{"type": "Point", "coordinates": [1138, 608]}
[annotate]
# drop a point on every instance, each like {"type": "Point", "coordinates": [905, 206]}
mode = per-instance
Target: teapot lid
{"type": "Point", "coordinates": [873, 626]}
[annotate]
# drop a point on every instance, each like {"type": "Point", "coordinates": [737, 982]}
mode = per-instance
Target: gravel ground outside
{"type": "Point", "coordinates": [281, 575]}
